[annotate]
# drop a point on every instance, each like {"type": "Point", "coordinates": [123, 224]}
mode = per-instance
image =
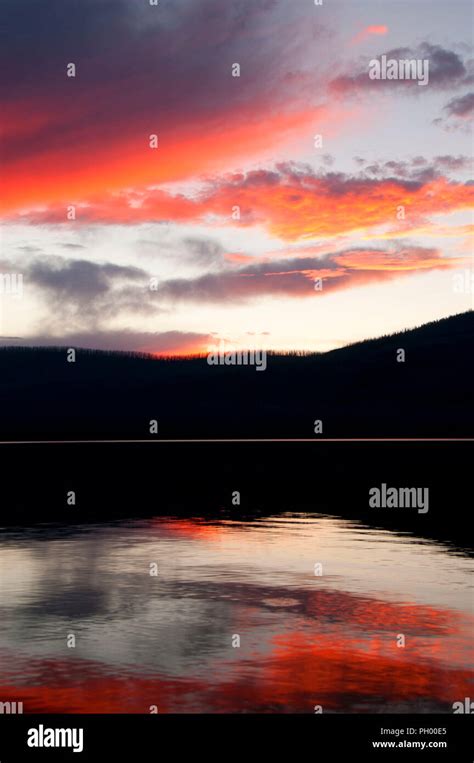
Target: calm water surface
{"type": "Point", "coordinates": [167, 640]}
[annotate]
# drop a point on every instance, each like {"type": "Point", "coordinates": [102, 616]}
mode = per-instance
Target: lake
{"type": "Point", "coordinates": [292, 612]}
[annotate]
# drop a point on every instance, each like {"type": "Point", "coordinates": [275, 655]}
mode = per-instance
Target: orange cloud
{"type": "Point", "coordinates": [311, 207]}
{"type": "Point", "coordinates": [377, 29]}
{"type": "Point", "coordinates": [292, 205]}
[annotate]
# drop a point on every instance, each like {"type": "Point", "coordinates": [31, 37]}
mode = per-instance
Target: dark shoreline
{"type": "Point", "coordinates": [357, 391]}
{"type": "Point", "coordinates": [132, 480]}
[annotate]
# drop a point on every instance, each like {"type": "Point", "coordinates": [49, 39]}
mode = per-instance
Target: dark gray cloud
{"type": "Point", "coordinates": [80, 279]}
{"type": "Point", "coordinates": [416, 169]}
{"type": "Point", "coordinates": [460, 107]}
{"type": "Point", "coordinates": [447, 163]}
{"type": "Point", "coordinates": [457, 113]}
{"type": "Point", "coordinates": [84, 294]}
{"type": "Point", "coordinates": [295, 276]}
{"type": "Point", "coordinates": [447, 70]}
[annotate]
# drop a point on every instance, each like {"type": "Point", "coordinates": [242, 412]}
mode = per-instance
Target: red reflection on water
{"type": "Point", "coordinates": [298, 671]}
{"type": "Point", "coordinates": [374, 614]}
{"type": "Point", "coordinates": [87, 687]}
{"type": "Point", "coordinates": [189, 528]}
{"type": "Point", "coordinates": [337, 672]}
{"type": "Point", "coordinates": [340, 651]}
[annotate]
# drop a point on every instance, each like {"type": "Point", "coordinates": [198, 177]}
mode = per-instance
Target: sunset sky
{"type": "Point", "coordinates": [166, 217]}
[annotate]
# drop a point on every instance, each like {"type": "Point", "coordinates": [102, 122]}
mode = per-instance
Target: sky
{"type": "Point", "coordinates": [154, 201]}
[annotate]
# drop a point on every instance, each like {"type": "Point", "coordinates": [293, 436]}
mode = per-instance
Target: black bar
{"type": "Point", "coordinates": [188, 737]}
